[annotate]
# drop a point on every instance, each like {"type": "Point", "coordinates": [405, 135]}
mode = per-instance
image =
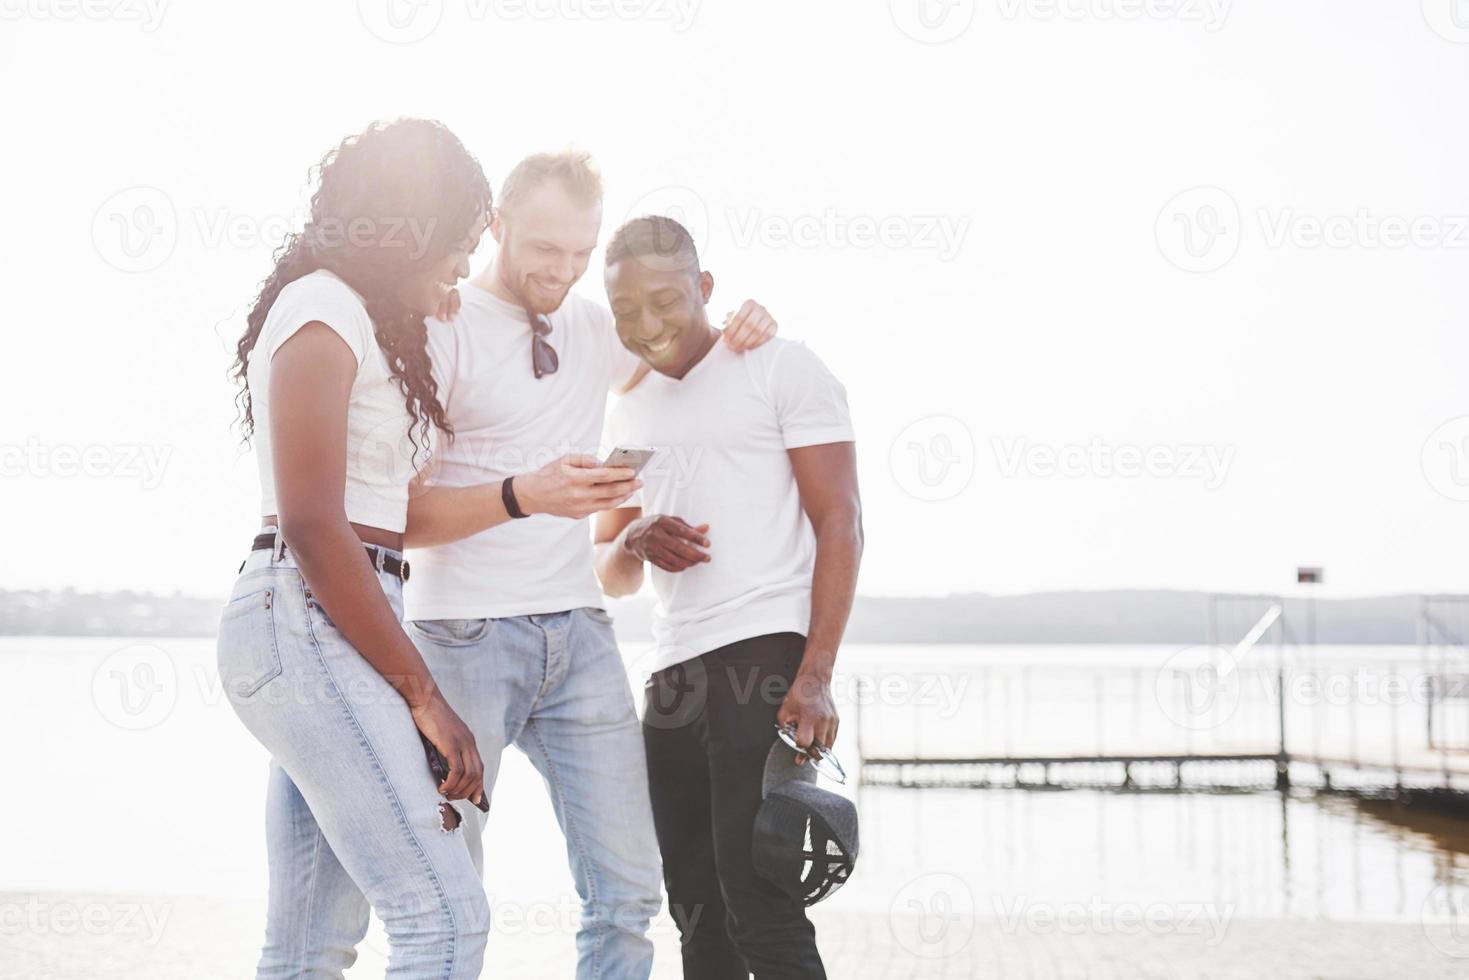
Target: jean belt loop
{"type": "Point", "coordinates": [278, 550]}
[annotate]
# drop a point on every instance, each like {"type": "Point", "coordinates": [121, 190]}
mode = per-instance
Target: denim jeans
{"type": "Point", "coordinates": [353, 815]}
{"type": "Point", "coordinates": [554, 686]}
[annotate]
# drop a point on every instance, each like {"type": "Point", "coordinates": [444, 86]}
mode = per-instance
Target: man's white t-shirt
{"type": "Point", "coordinates": [507, 422]}
{"type": "Point", "coordinates": [722, 433]}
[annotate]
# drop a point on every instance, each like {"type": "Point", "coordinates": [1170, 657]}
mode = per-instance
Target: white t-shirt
{"type": "Point", "coordinates": [380, 455]}
{"type": "Point", "coordinates": [507, 422]}
{"type": "Point", "coordinates": [722, 435]}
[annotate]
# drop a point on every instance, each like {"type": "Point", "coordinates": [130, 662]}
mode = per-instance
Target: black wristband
{"type": "Point", "coordinates": [507, 494]}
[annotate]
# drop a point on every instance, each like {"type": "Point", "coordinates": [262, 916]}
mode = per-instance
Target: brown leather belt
{"type": "Point", "coordinates": [391, 564]}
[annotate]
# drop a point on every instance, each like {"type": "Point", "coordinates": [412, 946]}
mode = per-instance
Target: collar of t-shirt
{"type": "Point", "coordinates": [513, 310]}
{"type": "Point", "coordinates": [715, 351]}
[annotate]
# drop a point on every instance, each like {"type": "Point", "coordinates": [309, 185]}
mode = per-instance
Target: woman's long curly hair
{"type": "Point", "coordinates": [390, 203]}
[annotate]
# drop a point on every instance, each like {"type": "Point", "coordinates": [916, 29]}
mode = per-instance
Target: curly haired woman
{"type": "Point", "coordinates": [339, 398]}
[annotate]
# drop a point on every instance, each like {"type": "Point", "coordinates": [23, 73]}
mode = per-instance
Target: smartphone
{"type": "Point", "coordinates": [631, 457]}
{"type": "Point", "coordinates": [439, 767]}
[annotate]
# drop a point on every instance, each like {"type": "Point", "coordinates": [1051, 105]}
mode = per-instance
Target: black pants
{"type": "Point", "coordinates": [707, 727]}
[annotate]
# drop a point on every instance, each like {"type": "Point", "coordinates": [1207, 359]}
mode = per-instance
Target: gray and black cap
{"type": "Point", "coordinates": [805, 836]}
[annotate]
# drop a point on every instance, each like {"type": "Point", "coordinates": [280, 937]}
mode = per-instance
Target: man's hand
{"type": "Point", "coordinates": [668, 542]}
{"type": "Point", "coordinates": [448, 306]}
{"type": "Point", "coordinates": [574, 486]}
{"type": "Point", "coordinates": [748, 327]}
{"type": "Point", "coordinates": [809, 706]}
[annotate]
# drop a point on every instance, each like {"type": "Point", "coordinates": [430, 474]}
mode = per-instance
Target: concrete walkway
{"type": "Point", "coordinates": [77, 937]}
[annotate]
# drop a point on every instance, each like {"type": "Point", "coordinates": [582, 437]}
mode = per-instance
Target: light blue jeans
{"type": "Point", "coordinates": [353, 816]}
{"type": "Point", "coordinates": [554, 686]}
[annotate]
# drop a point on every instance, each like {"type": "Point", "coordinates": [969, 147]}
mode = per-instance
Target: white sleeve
{"type": "Point", "coordinates": [325, 299]}
{"type": "Point", "coordinates": [810, 403]}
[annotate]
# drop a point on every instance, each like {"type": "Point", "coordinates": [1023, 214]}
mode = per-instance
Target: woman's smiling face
{"type": "Point", "coordinates": [426, 291]}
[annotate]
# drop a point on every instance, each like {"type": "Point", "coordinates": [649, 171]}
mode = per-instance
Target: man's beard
{"type": "Point", "coordinates": [511, 279]}
{"type": "Point", "coordinates": [536, 306]}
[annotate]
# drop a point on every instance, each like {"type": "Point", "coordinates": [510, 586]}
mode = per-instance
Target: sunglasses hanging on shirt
{"type": "Point", "coordinates": [543, 359]}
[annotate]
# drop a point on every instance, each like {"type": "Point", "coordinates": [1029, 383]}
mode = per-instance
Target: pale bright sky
{"type": "Point", "coordinates": [970, 208]}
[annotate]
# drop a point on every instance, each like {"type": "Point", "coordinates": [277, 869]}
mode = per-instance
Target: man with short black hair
{"type": "Point", "coordinates": [752, 523]}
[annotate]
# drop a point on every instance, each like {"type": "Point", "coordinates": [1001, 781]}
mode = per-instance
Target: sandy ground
{"type": "Point", "coordinates": [79, 937]}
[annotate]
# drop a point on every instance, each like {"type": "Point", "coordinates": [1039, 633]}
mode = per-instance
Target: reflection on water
{"type": "Point", "coordinates": [1258, 855]}
{"type": "Point", "coordinates": [184, 804]}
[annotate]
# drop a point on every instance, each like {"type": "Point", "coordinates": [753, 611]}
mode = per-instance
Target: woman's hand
{"type": "Point", "coordinates": [451, 736]}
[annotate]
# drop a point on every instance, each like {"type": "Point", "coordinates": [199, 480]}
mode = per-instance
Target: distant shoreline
{"type": "Point", "coordinates": [1138, 616]}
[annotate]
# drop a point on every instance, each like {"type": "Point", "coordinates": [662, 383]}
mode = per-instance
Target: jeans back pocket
{"type": "Point", "coordinates": [246, 644]}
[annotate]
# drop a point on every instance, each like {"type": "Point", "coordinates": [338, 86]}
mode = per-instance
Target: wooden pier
{"type": "Point", "coordinates": [1392, 729]}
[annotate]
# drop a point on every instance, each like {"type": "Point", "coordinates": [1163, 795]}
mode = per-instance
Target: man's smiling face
{"type": "Point", "coordinates": [545, 245]}
{"type": "Point", "coordinates": [660, 311]}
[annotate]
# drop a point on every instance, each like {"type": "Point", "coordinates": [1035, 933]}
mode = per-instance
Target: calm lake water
{"type": "Point", "coordinates": [127, 751]}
